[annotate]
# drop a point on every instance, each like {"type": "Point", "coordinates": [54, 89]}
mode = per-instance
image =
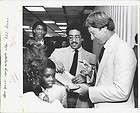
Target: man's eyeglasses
{"type": "Point", "coordinates": [71, 37]}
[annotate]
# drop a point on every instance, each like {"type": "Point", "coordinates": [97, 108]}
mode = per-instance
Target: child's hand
{"type": "Point", "coordinates": [43, 97]}
{"type": "Point", "coordinates": [60, 67]}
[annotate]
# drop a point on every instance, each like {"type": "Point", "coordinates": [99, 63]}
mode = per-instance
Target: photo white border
{"type": "Point", "coordinates": [11, 22]}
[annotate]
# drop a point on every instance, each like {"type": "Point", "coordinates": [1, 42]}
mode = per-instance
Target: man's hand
{"type": "Point", "coordinates": [87, 68]}
{"type": "Point", "coordinates": [79, 79]}
{"type": "Point", "coordinates": [83, 90]}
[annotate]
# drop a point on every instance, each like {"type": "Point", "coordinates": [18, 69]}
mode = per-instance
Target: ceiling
{"type": "Point", "coordinates": [64, 14]}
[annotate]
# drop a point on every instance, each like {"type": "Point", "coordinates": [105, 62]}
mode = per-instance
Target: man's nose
{"type": "Point", "coordinates": [74, 39]}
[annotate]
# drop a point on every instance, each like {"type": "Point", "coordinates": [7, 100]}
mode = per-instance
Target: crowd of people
{"type": "Point", "coordinates": [105, 82]}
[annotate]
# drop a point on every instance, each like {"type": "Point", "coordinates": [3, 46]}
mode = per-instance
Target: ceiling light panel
{"type": "Point", "coordinates": [62, 34]}
{"type": "Point", "coordinates": [28, 30]}
{"type": "Point", "coordinates": [26, 27]}
{"type": "Point", "coordinates": [64, 30]}
{"type": "Point", "coordinates": [58, 31]}
{"type": "Point", "coordinates": [61, 23]}
{"type": "Point", "coordinates": [63, 27]}
{"type": "Point", "coordinates": [35, 8]}
{"type": "Point", "coordinates": [49, 22]}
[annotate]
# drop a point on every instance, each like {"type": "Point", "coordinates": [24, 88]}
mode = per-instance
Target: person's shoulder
{"type": "Point", "coordinates": [29, 42]}
{"type": "Point", "coordinates": [124, 50]}
{"type": "Point", "coordinates": [124, 46]}
{"type": "Point", "coordinates": [62, 49]}
{"type": "Point", "coordinates": [59, 87]}
{"type": "Point", "coordinates": [90, 57]}
{"type": "Point", "coordinates": [89, 53]}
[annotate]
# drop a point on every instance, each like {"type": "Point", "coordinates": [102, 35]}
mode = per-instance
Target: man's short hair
{"type": "Point", "coordinates": [74, 25]}
{"type": "Point", "coordinates": [99, 19]}
{"type": "Point", "coordinates": [40, 23]}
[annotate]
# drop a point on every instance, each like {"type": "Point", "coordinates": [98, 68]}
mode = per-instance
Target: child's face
{"type": "Point", "coordinates": [49, 77]}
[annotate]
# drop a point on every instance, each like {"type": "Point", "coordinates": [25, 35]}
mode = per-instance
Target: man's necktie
{"type": "Point", "coordinates": [97, 64]}
{"type": "Point", "coordinates": [101, 53]}
{"type": "Point", "coordinates": [74, 63]}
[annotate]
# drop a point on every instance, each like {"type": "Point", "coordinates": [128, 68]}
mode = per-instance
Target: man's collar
{"type": "Point", "coordinates": [108, 42]}
{"type": "Point", "coordinates": [79, 49]}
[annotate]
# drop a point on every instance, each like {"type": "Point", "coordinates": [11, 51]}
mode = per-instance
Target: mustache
{"type": "Point", "coordinates": [74, 42]}
{"type": "Point", "coordinates": [50, 82]}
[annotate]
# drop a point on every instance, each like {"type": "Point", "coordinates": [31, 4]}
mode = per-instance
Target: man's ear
{"type": "Point", "coordinates": [82, 39]}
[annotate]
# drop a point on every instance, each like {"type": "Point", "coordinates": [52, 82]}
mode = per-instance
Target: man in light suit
{"type": "Point", "coordinates": [113, 87]}
{"type": "Point", "coordinates": [63, 57]}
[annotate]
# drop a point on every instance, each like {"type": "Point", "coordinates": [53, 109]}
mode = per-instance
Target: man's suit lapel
{"type": "Point", "coordinates": [113, 47]}
{"type": "Point", "coordinates": [102, 63]}
{"type": "Point", "coordinates": [69, 57]}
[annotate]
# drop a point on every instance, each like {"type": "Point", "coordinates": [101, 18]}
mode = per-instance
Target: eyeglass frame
{"type": "Point", "coordinates": [71, 37]}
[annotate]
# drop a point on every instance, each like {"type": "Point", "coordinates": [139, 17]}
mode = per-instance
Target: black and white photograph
{"type": "Point", "coordinates": [61, 56]}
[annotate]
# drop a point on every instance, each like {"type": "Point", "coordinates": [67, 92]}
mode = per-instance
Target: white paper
{"type": "Point", "coordinates": [66, 79]}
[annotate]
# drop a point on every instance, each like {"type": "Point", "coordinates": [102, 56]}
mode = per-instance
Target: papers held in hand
{"type": "Point", "coordinates": [66, 79]}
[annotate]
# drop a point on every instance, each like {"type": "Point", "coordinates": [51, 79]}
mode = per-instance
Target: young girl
{"type": "Point", "coordinates": [51, 90]}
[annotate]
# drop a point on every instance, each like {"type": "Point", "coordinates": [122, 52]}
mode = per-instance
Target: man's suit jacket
{"type": "Point", "coordinates": [113, 88]}
{"type": "Point", "coordinates": [65, 56]}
